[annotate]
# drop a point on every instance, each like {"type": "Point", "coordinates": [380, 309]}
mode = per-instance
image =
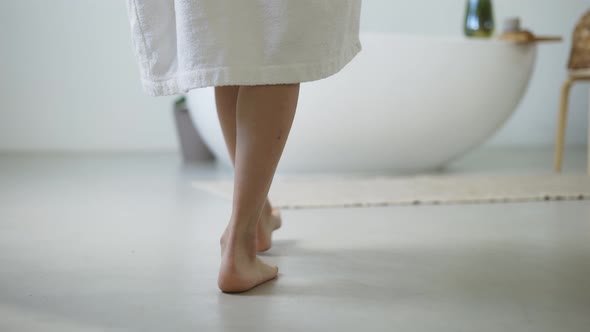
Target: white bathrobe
{"type": "Point", "coordinates": [186, 44]}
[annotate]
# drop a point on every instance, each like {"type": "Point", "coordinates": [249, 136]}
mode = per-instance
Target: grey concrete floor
{"type": "Point", "coordinates": [124, 243]}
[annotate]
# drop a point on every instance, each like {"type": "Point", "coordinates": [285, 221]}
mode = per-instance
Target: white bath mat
{"type": "Point", "coordinates": [318, 192]}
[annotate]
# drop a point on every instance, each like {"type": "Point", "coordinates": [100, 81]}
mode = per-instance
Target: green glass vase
{"type": "Point", "coordinates": [479, 19]}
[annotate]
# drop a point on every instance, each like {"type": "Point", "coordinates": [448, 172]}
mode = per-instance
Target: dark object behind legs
{"type": "Point", "coordinates": [192, 146]}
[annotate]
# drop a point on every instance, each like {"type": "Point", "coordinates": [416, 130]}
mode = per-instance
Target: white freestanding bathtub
{"type": "Point", "coordinates": [405, 104]}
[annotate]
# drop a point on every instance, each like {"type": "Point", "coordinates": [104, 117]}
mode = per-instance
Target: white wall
{"type": "Point", "coordinates": [69, 80]}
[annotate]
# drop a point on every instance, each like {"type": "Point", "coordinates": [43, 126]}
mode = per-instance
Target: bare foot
{"type": "Point", "coordinates": [240, 269]}
{"type": "Point", "coordinates": [267, 224]}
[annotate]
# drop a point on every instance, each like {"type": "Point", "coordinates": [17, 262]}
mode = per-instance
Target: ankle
{"type": "Point", "coordinates": [238, 234]}
{"type": "Point", "coordinates": [238, 246]}
{"type": "Point", "coordinates": [245, 223]}
{"type": "Point", "coordinates": [242, 227]}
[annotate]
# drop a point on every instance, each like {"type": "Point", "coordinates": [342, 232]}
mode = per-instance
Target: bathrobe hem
{"type": "Point", "coordinates": [265, 75]}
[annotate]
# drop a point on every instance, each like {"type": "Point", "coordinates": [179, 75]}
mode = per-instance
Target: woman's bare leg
{"type": "Point", "coordinates": [264, 117]}
{"type": "Point", "coordinates": [226, 98]}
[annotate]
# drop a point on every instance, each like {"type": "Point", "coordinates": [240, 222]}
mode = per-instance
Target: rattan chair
{"type": "Point", "coordinates": [579, 70]}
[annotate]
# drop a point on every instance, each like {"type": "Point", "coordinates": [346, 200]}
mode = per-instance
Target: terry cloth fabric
{"type": "Point", "coordinates": [186, 44]}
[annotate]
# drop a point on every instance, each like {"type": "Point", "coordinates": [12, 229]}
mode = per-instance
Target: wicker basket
{"type": "Point", "coordinates": [580, 57]}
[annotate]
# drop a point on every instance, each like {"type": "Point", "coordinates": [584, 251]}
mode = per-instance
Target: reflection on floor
{"type": "Point", "coordinates": [123, 242]}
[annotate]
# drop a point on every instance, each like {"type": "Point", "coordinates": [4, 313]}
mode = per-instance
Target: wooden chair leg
{"type": "Point", "coordinates": [562, 121]}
